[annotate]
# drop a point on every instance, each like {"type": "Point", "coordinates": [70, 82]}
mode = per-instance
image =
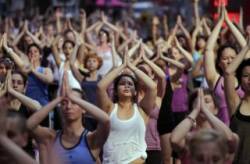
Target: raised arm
{"type": "Point", "coordinates": [218, 124]}
{"type": "Point", "coordinates": [196, 12]}
{"type": "Point", "coordinates": [31, 104]}
{"type": "Point", "coordinates": [233, 100]}
{"type": "Point", "coordinates": [237, 34]}
{"type": "Point", "coordinates": [160, 76]}
{"type": "Point", "coordinates": [186, 54]}
{"type": "Point", "coordinates": [8, 146]}
{"type": "Point", "coordinates": [104, 101]}
{"type": "Point", "coordinates": [178, 135]}
{"type": "Point", "coordinates": [148, 101]}
{"type": "Point", "coordinates": [18, 61]}
{"type": "Point", "coordinates": [55, 50]}
{"type": "Point", "coordinates": [209, 62]}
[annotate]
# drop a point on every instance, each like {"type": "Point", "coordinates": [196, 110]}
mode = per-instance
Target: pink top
{"type": "Point", "coordinates": [221, 100]}
{"type": "Point", "coordinates": [152, 135]}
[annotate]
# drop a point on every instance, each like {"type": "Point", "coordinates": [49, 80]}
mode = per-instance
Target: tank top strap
{"type": "Point", "coordinates": [217, 83]}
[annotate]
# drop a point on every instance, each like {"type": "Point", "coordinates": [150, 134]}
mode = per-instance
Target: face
{"type": "Point", "coordinates": [227, 57]}
{"type": "Point", "coordinates": [15, 134]}
{"type": "Point", "coordinates": [103, 37]}
{"type": "Point", "coordinates": [68, 49]}
{"type": "Point", "coordinates": [201, 43]}
{"type": "Point", "coordinates": [126, 87]}
{"type": "Point", "coordinates": [245, 79]}
{"type": "Point", "coordinates": [50, 30]}
{"type": "Point", "coordinates": [34, 54]}
{"type": "Point", "coordinates": [71, 111]}
{"type": "Point", "coordinates": [175, 53]}
{"type": "Point", "coordinates": [18, 83]}
{"type": "Point", "coordinates": [92, 64]}
{"type": "Point", "coordinates": [28, 40]}
{"type": "Point", "coordinates": [3, 70]}
{"type": "Point", "coordinates": [207, 153]}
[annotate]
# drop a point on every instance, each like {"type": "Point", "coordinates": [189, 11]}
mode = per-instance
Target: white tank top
{"type": "Point", "coordinates": [126, 141]}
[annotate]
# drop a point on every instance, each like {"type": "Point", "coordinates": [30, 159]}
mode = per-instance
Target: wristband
{"type": "Point", "coordinates": [193, 121]}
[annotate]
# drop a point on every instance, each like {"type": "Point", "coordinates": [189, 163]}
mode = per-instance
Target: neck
{"type": "Point", "coordinates": [73, 128]}
{"type": "Point", "coordinates": [36, 64]}
{"type": "Point", "coordinates": [93, 74]}
{"type": "Point", "coordinates": [125, 104]}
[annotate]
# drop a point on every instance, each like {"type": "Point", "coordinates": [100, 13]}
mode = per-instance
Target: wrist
{"type": "Point", "coordinates": [193, 121]}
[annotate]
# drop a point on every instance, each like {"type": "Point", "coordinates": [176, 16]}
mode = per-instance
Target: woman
{"type": "Point", "coordinates": [239, 106]}
{"type": "Point", "coordinates": [38, 77]}
{"type": "Point", "coordinates": [202, 117]}
{"type": "Point", "coordinates": [89, 82]}
{"type": "Point", "coordinates": [73, 143]}
{"type": "Point", "coordinates": [126, 142]}
{"type": "Point", "coordinates": [214, 71]}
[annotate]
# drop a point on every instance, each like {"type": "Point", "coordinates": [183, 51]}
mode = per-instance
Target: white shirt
{"type": "Point", "coordinates": [126, 141]}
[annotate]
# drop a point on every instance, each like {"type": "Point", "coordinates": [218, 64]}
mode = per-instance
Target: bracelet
{"type": "Point", "coordinates": [192, 120]}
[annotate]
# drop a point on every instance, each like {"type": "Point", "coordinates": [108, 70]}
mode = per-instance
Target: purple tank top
{"type": "Point", "coordinates": [220, 98]}
{"type": "Point", "coordinates": [152, 135]}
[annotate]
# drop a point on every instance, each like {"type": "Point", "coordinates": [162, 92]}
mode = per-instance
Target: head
{"type": "Point", "coordinates": [27, 40]}
{"type": "Point", "coordinates": [225, 56]}
{"type": "Point", "coordinates": [5, 65]}
{"type": "Point", "coordinates": [49, 29]}
{"type": "Point", "coordinates": [16, 128]}
{"type": "Point", "coordinates": [69, 35]}
{"type": "Point", "coordinates": [208, 147]}
{"type": "Point", "coordinates": [92, 62]}
{"type": "Point", "coordinates": [103, 36]}
{"type": "Point", "coordinates": [201, 42]}
{"type": "Point", "coordinates": [175, 53]}
{"type": "Point", "coordinates": [125, 86]}
{"type": "Point", "coordinates": [162, 64]}
{"type": "Point", "coordinates": [18, 81]}
{"type": "Point", "coordinates": [208, 99]}
{"type": "Point", "coordinates": [68, 47]}
{"type": "Point", "coordinates": [243, 75]}
{"type": "Point", "coordinates": [71, 111]}
{"type": "Point", "coordinates": [34, 52]}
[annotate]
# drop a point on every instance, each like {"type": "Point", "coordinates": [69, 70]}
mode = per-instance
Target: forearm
{"type": "Point", "coordinates": [41, 114]}
{"type": "Point", "coordinates": [31, 104]}
{"type": "Point", "coordinates": [91, 109]}
{"type": "Point", "coordinates": [174, 62]}
{"type": "Point", "coordinates": [14, 151]}
{"type": "Point", "coordinates": [237, 34]}
{"type": "Point", "coordinates": [182, 129]}
{"type": "Point", "coordinates": [46, 78]}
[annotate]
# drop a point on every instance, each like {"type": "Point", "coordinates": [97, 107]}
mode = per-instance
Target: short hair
{"type": "Point", "coordinates": [7, 62]}
{"type": "Point", "coordinates": [93, 55]}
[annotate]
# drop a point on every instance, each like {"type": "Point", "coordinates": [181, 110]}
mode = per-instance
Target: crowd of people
{"type": "Point", "coordinates": [92, 90]}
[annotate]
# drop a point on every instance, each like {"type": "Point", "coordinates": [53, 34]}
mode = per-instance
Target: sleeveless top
{"type": "Point", "coordinates": [73, 83]}
{"type": "Point", "coordinates": [107, 62]}
{"type": "Point", "coordinates": [78, 154]}
{"type": "Point", "coordinates": [179, 101]}
{"type": "Point", "coordinates": [126, 140]}
{"type": "Point", "coordinates": [37, 89]}
{"type": "Point", "coordinates": [90, 88]}
{"type": "Point", "coordinates": [240, 124]}
{"type": "Point", "coordinates": [220, 98]}
{"type": "Point", "coordinates": [152, 135]}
